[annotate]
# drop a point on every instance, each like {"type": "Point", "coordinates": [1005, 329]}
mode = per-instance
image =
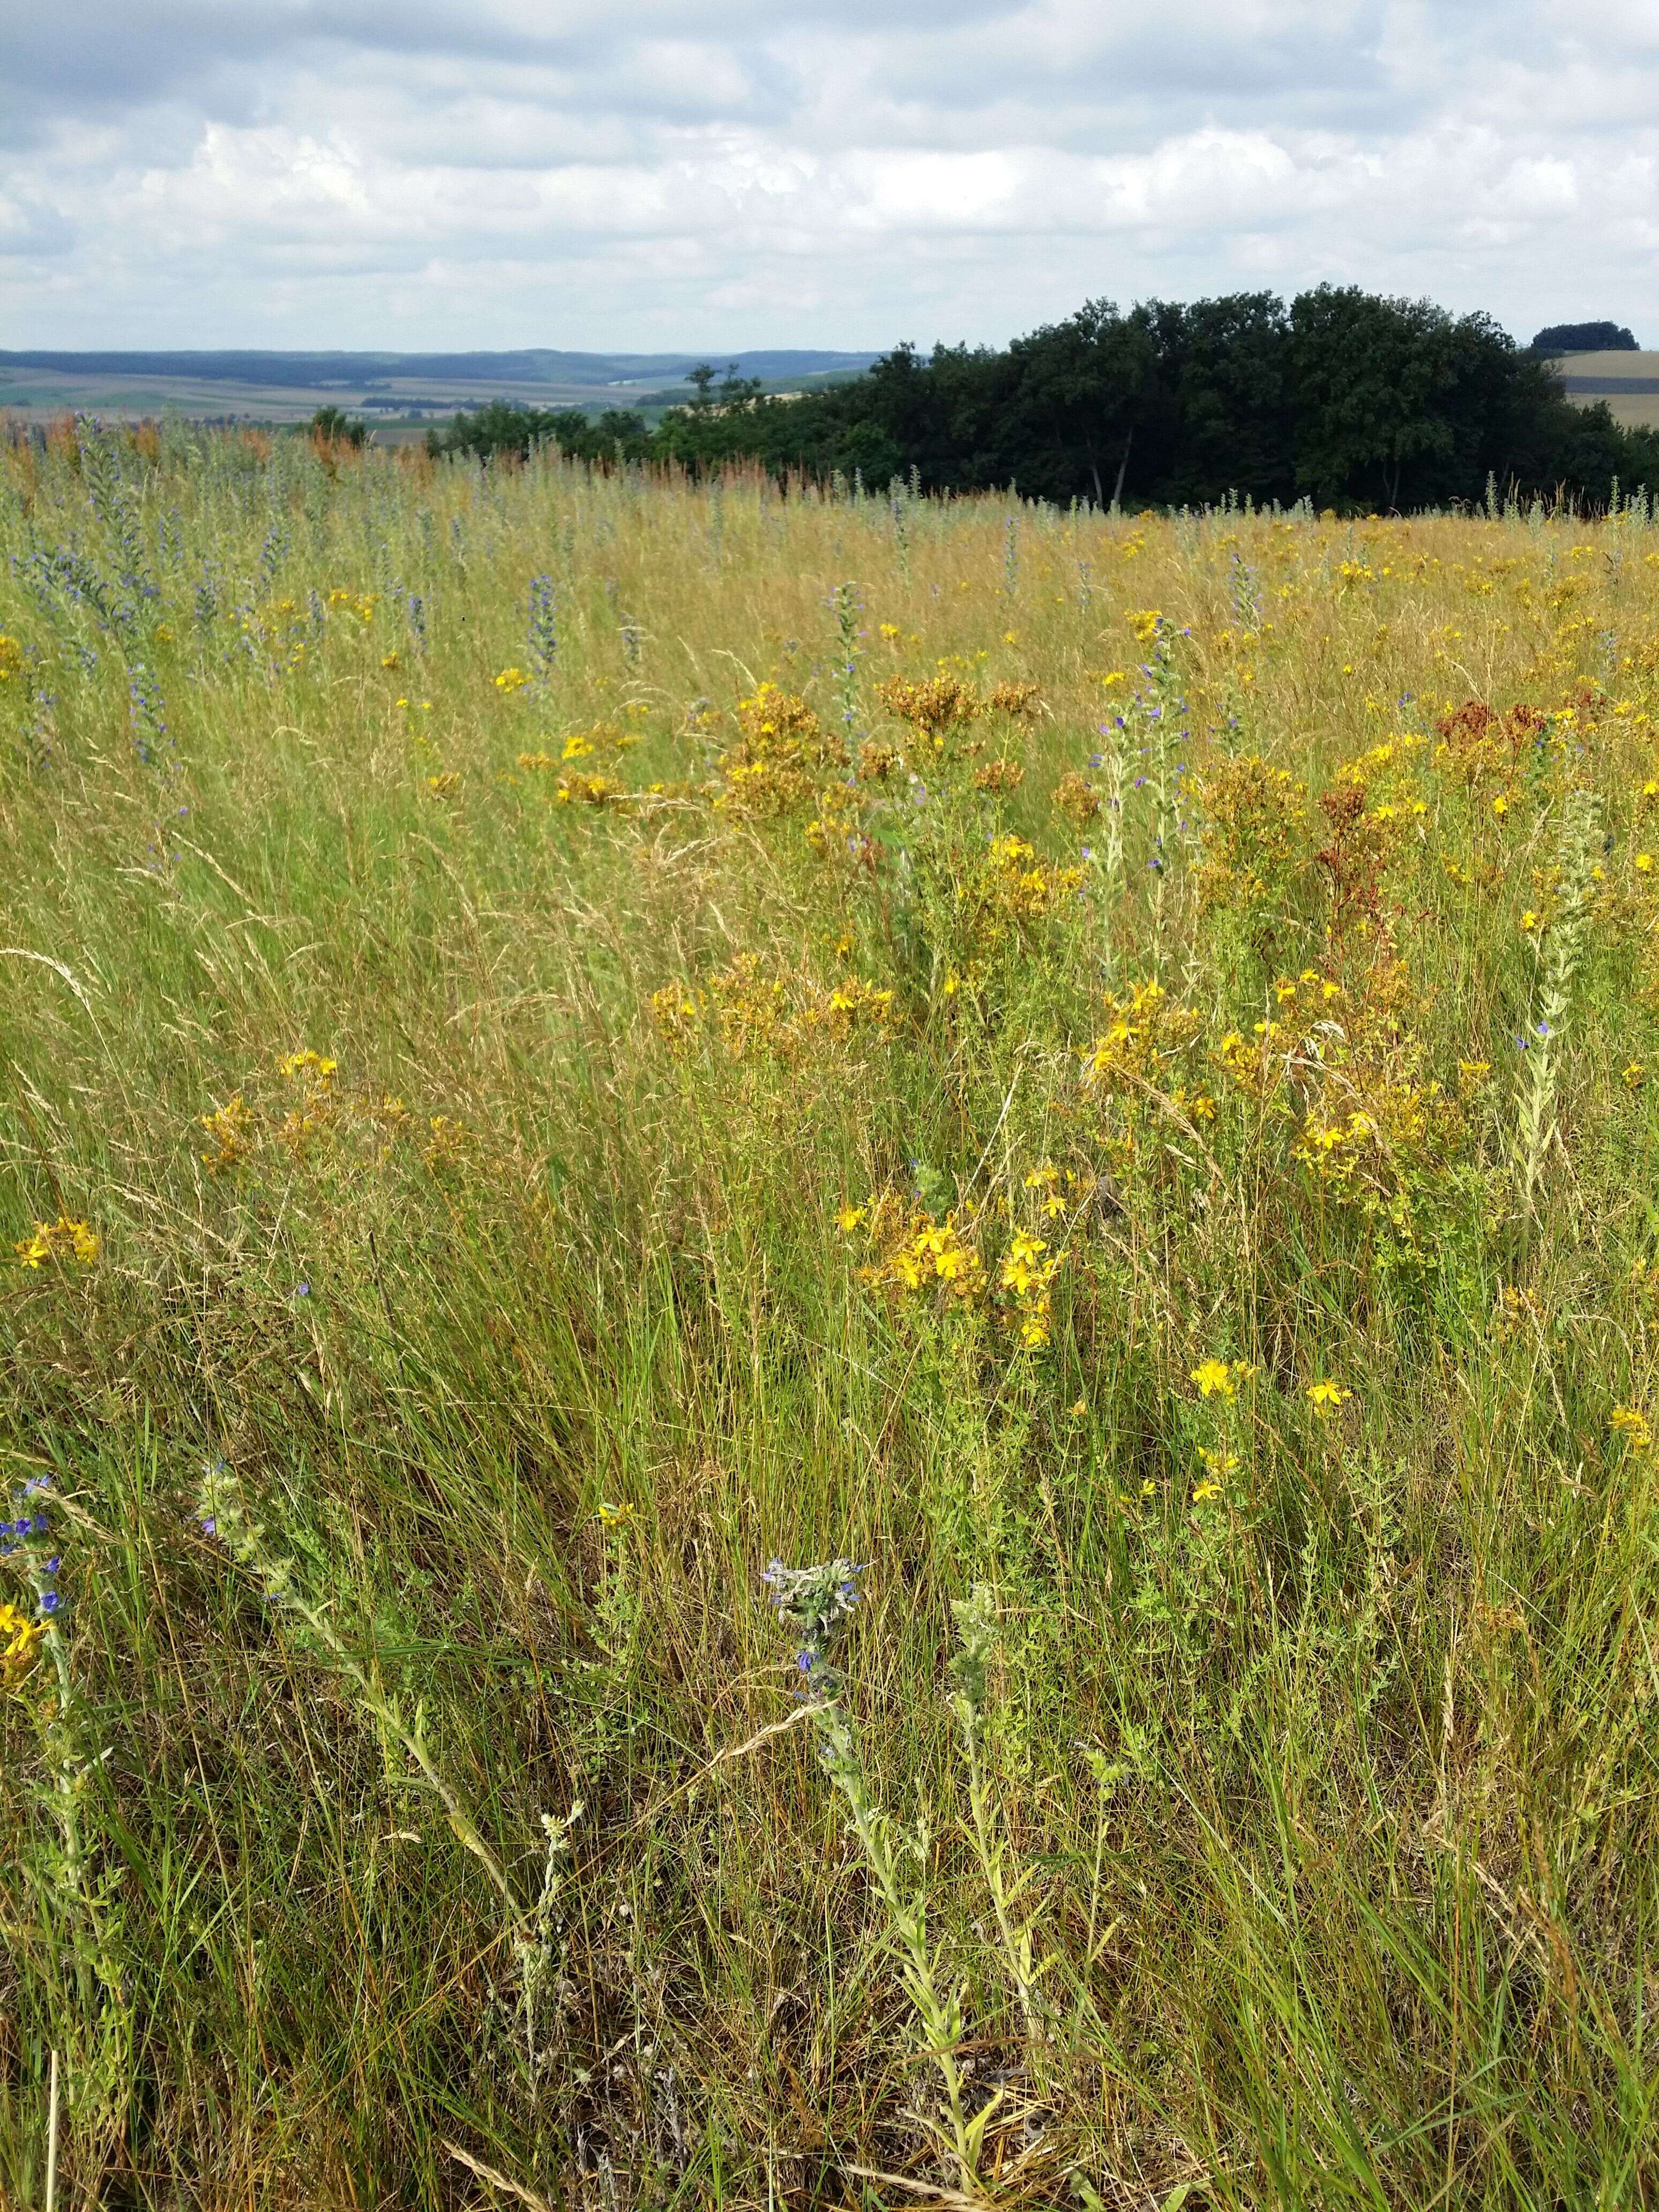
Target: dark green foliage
{"type": "Point", "coordinates": [506, 427]}
{"type": "Point", "coordinates": [336, 427]}
{"type": "Point", "coordinates": [1585, 337]}
{"type": "Point", "coordinates": [1358, 403]}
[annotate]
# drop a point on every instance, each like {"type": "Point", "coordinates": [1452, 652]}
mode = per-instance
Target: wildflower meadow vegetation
{"type": "Point", "coordinates": [830, 1342]}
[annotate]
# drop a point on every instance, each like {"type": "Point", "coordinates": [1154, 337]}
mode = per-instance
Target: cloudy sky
{"type": "Point", "coordinates": [647, 174]}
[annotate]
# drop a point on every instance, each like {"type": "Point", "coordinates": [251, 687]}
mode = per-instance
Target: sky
{"type": "Point", "coordinates": [649, 175]}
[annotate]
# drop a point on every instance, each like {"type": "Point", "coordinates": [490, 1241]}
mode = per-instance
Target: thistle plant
{"type": "Point", "coordinates": [815, 1604]}
{"type": "Point", "coordinates": [1157, 705]}
{"type": "Point", "coordinates": [896, 503]}
{"type": "Point", "coordinates": [223, 1513]}
{"type": "Point", "coordinates": [975, 1618]}
{"type": "Point", "coordinates": [848, 606]}
{"type": "Point", "coordinates": [544, 637]}
{"type": "Point", "coordinates": [1563, 951]}
{"type": "Point", "coordinates": [1112, 758]}
{"type": "Point", "coordinates": [77, 1903]}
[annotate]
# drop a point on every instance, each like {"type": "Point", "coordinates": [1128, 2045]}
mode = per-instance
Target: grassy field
{"type": "Point", "coordinates": [568, 1039]}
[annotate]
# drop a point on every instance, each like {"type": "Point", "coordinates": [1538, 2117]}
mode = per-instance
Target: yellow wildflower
{"type": "Point", "coordinates": [1632, 1425]}
{"type": "Point", "coordinates": [57, 1240]}
{"type": "Point", "coordinates": [1021, 1269]}
{"type": "Point", "coordinates": [1326, 1397]}
{"type": "Point", "coordinates": [310, 1065]}
{"type": "Point", "coordinates": [847, 1219]}
{"type": "Point", "coordinates": [1214, 1379]}
{"type": "Point", "coordinates": [19, 1639]}
{"type": "Point", "coordinates": [231, 1127]}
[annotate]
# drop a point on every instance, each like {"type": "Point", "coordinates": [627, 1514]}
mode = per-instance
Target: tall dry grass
{"type": "Point", "coordinates": [517, 1126]}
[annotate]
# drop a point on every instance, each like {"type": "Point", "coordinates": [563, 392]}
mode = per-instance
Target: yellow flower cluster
{"type": "Point", "coordinates": [237, 1130]}
{"type": "Point", "coordinates": [1630, 1423]}
{"type": "Point", "coordinates": [315, 1076]}
{"type": "Point", "coordinates": [62, 1239]}
{"type": "Point", "coordinates": [20, 1642]}
{"type": "Point", "coordinates": [1221, 1378]}
{"type": "Point", "coordinates": [11, 658]}
{"type": "Point", "coordinates": [449, 1142]}
{"type": "Point", "coordinates": [779, 748]}
{"type": "Point", "coordinates": [580, 745]}
{"type": "Point", "coordinates": [918, 1250]}
{"type": "Point", "coordinates": [1010, 888]}
{"type": "Point", "coordinates": [1142, 1030]}
{"type": "Point", "coordinates": [934, 709]}
{"type": "Point", "coordinates": [278, 620]}
{"type": "Point", "coordinates": [578, 788]}
{"type": "Point", "coordinates": [1061, 1191]}
{"type": "Point", "coordinates": [309, 1066]}
{"type": "Point", "coordinates": [1333, 1150]}
{"type": "Point", "coordinates": [1255, 832]}
{"type": "Point", "coordinates": [757, 1014]}
{"type": "Point", "coordinates": [1027, 1274]}
{"type": "Point", "coordinates": [937, 1251]}
{"type": "Point", "coordinates": [1302, 1003]}
{"type": "Point", "coordinates": [232, 1129]}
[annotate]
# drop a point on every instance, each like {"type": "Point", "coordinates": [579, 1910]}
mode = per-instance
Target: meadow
{"type": "Point", "coordinates": [828, 1344]}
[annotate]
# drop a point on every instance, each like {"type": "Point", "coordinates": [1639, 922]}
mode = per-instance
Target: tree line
{"type": "Point", "coordinates": [1354, 401]}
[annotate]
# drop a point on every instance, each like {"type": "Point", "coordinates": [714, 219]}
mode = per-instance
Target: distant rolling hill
{"type": "Point", "coordinates": [278, 386]}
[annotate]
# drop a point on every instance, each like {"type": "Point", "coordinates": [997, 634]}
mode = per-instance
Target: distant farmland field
{"type": "Point", "coordinates": [1629, 382]}
{"type": "Point", "coordinates": [389, 390]}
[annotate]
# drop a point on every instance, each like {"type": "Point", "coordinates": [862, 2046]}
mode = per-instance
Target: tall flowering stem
{"type": "Point", "coordinates": [815, 1604]}
{"type": "Point", "coordinates": [1579, 844]}
{"type": "Point", "coordinates": [223, 1514]}
{"type": "Point", "coordinates": [29, 1543]}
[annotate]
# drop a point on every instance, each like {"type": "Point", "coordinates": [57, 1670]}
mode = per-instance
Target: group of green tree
{"type": "Point", "coordinates": [1353, 401]}
{"type": "Point", "coordinates": [1585, 337]}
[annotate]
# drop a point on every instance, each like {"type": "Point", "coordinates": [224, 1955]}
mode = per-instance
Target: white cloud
{"type": "Point", "coordinates": [718, 172]}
